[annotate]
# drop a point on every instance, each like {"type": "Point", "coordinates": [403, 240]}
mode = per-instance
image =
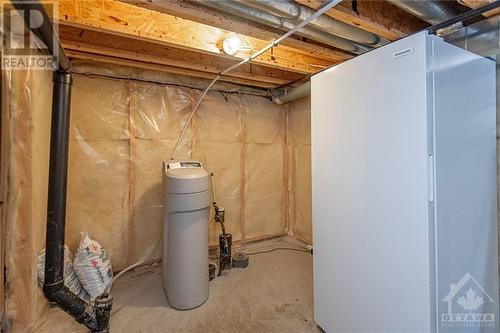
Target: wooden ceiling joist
{"type": "Point", "coordinates": [474, 4]}
{"type": "Point", "coordinates": [163, 68]}
{"type": "Point", "coordinates": [180, 37]}
{"type": "Point", "coordinates": [122, 19]}
{"type": "Point", "coordinates": [186, 10]}
{"type": "Point", "coordinates": [82, 43]}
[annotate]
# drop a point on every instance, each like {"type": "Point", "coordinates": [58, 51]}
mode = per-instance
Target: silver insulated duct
{"type": "Point", "coordinates": [431, 11]}
{"type": "Point", "coordinates": [289, 95]}
{"type": "Point", "coordinates": [284, 15]}
{"type": "Point", "coordinates": [293, 11]}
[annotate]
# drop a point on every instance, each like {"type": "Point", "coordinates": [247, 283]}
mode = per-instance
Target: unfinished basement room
{"type": "Point", "coordinates": [249, 166]}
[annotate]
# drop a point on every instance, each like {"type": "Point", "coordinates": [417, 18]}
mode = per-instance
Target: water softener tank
{"type": "Point", "coordinates": [185, 234]}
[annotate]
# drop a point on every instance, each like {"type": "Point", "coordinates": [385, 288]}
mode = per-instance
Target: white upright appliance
{"type": "Point", "coordinates": [404, 191]}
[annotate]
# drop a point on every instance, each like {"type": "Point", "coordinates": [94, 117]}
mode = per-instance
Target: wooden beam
{"type": "Point", "coordinates": [189, 11]}
{"type": "Point", "coordinates": [480, 3]}
{"type": "Point", "coordinates": [161, 68]}
{"type": "Point", "coordinates": [77, 39]}
{"type": "Point", "coordinates": [378, 17]}
{"type": "Point", "coordinates": [123, 19]}
{"type": "Point", "coordinates": [148, 59]}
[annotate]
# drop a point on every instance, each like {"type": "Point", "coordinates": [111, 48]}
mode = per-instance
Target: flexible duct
{"type": "Point", "coordinates": [296, 11]}
{"type": "Point", "coordinates": [434, 12]}
{"type": "Point", "coordinates": [289, 95]}
{"type": "Point", "coordinates": [431, 11]}
{"type": "Point", "coordinates": [266, 18]}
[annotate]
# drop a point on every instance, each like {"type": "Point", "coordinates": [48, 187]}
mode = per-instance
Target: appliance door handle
{"type": "Point", "coordinates": [430, 172]}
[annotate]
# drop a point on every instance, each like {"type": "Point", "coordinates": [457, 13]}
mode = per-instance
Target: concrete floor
{"type": "Point", "coordinates": [274, 294]}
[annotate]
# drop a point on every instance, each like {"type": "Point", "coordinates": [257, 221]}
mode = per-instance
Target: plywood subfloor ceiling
{"type": "Point", "coordinates": [180, 37]}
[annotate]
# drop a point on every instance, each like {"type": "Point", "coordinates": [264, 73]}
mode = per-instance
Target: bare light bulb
{"type": "Point", "coordinates": [231, 45]}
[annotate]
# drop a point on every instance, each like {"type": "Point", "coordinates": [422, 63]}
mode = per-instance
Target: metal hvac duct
{"type": "Point", "coordinates": [431, 11]}
{"type": "Point", "coordinates": [295, 11]}
{"type": "Point", "coordinates": [289, 95]}
{"type": "Point", "coordinates": [268, 19]}
{"type": "Point", "coordinates": [436, 12]}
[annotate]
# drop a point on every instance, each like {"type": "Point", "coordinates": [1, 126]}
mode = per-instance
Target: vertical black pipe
{"type": "Point", "coordinates": [225, 242]}
{"type": "Point", "coordinates": [103, 305]}
{"type": "Point", "coordinates": [58, 175]}
{"type": "Point", "coordinates": [54, 288]}
{"type": "Point", "coordinates": [94, 315]}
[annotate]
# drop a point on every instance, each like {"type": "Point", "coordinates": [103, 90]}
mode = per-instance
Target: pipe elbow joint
{"type": "Point", "coordinates": [53, 292]}
{"type": "Point", "coordinates": [93, 316]}
{"type": "Point", "coordinates": [276, 99]}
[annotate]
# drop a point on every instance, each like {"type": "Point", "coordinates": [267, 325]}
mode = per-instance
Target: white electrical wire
{"type": "Point", "coordinates": [110, 284]}
{"type": "Point", "coordinates": [322, 10]}
{"type": "Point", "coordinates": [107, 290]}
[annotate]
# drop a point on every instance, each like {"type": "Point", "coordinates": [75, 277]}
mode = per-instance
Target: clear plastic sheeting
{"type": "Point", "coordinates": [26, 130]}
{"type": "Point", "coordinates": [98, 182]}
{"type": "Point", "coordinates": [300, 160]}
{"type": "Point", "coordinates": [121, 131]}
{"type": "Point", "coordinates": [482, 38]}
{"type": "Point", "coordinates": [125, 72]}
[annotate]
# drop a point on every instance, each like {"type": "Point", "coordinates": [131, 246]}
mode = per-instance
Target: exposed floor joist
{"type": "Point", "coordinates": [180, 37]}
{"type": "Point", "coordinates": [122, 19]}
{"type": "Point", "coordinates": [161, 68]}
{"type": "Point", "coordinates": [186, 10]}
{"type": "Point", "coordinates": [480, 3]}
{"type": "Point", "coordinates": [80, 43]}
{"type": "Point", "coordinates": [378, 17]}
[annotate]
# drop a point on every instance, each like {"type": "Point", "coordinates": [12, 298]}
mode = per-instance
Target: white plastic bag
{"type": "Point", "coordinates": [92, 266]}
{"type": "Point", "coordinates": [70, 279]}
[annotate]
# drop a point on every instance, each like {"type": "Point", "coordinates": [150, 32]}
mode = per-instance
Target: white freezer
{"type": "Point", "coordinates": [404, 191]}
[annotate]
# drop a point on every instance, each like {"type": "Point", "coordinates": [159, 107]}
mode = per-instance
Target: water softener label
{"type": "Point", "coordinates": [173, 166]}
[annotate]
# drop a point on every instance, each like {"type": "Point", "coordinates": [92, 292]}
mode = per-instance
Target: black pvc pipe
{"type": "Point", "coordinates": [103, 305]}
{"type": "Point", "coordinates": [53, 287]}
{"type": "Point", "coordinates": [95, 315]}
{"type": "Point", "coordinates": [82, 311]}
{"type": "Point", "coordinates": [225, 242]}
{"type": "Point", "coordinates": [58, 175]}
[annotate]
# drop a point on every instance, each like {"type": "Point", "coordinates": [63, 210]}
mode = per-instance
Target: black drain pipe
{"type": "Point", "coordinates": [95, 315]}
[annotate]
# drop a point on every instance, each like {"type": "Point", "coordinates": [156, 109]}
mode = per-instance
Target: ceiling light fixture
{"type": "Point", "coordinates": [231, 45]}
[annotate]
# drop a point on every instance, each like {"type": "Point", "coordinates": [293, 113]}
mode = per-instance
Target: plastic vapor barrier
{"type": "Point", "coordinates": [122, 130]}
{"type": "Point", "coordinates": [300, 168]}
